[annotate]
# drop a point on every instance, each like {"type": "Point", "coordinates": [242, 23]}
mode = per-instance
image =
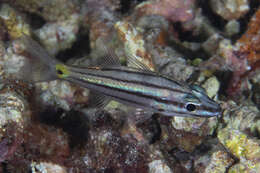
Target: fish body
{"type": "Point", "coordinates": [144, 89]}
{"type": "Point", "coordinates": [137, 87]}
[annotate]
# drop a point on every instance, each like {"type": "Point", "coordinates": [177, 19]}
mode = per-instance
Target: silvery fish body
{"type": "Point", "coordinates": [137, 87]}
{"type": "Point", "coordinates": [145, 89]}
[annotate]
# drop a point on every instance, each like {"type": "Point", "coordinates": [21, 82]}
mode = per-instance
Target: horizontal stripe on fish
{"type": "Point", "coordinates": [149, 95]}
{"type": "Point", "coordinates": [129, 95]}
{"type": "Point", "coordinates": [130, 87]}
{"type": "Point", "coordinates": [141, 87]}
{"type": "Point", "coordinates": [112, 92]}
{"type": "Point", "coordinates": [138, 77]}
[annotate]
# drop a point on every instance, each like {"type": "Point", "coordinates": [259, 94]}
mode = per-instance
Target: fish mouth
{"type": "Point", "coordinates": [212, 106]}
{"type": "Point", "coordinates": [215, 110]}
{"type": "Point", "coordinates": [219, 111]}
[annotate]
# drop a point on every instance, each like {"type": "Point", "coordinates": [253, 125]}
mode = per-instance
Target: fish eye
{"type": "Point", "coordinates": [190, 107]}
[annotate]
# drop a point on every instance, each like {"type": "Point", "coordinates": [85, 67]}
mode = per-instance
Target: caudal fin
{"type": "Point", "coordinates": [38, 65]}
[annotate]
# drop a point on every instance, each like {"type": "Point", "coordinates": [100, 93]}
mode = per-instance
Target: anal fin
{"type": "Point", "coordinates": [138, 115]}
{"type": "Point", "coordinates": [97, 100]}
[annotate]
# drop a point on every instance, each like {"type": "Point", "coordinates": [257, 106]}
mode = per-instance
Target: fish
{"type": "Point", "coordinates": [137, 87]}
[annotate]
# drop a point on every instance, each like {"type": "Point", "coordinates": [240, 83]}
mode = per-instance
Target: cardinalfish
{"type": "Point", "coordinates": [139, 87]}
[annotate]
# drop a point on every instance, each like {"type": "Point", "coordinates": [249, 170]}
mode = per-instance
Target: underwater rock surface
{"type": "Point", "coordinates": [48, 127]}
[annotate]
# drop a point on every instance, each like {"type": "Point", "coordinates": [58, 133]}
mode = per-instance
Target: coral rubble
{"type": "Point", "coordinates": [50, 126]}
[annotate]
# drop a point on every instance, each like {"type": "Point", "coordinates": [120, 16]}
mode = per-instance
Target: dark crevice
{"type": "Point", "coordinates": [157, 130]}
{"type": "Point", "coordinates": [254, 5]}
{"type": "Point", "coordinates": [35, 20]}
{"type": "Point", "coordinates": [151, 128]}
{"type": "Point", "coordinates": [216, 20]}
{"type": "Point", "coordinates": [4, 36]}
{"type": "Point", "coordinates": [73, 123]}
{"type": "Point", "coordinates": [79, 49]}
{"type": "Point", "coordinates": [109, 170]}
{"type": "Point", "coordinates": [187, 35]}
{"type": "Point", "coordinates": [190, 54]}
{"type": "Point", "coordinates": [4, 167]}
{"type": "Point", "coordinates": [127, 5]}
{"type": "Point", "coordinates": [180, 155]}
{"type": "Point", "coordinates": [225, 77]}
{"type": "Point", "coordinates": [203, 148]}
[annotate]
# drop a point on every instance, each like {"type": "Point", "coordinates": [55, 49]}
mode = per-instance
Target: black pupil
{"type": "Point", "coordinates": [190, 107]}
{"type": "Point", "coordinates": [59, 72]}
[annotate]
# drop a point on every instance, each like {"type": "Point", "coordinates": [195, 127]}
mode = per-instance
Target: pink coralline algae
{"type": "Point", "coordinates": [173, 10]}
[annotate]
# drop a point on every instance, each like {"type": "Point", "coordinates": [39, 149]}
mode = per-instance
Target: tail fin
{"type": "Point", "coordinates": [38, 65]}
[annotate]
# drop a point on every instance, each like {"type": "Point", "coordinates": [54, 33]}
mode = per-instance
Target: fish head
{"type": "Point", "coordinates": [198, 104]}
{"type": "Point", "coordinates": [193, 101]}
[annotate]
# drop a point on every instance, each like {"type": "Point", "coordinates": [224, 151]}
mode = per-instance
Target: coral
{"type": "Point", "coordinates": [44, 167]}
{"type": "Point", "coordinates": [173, 10]}
{"type": "Point", "coordinates": [48, 127]}
{"type": "Point", "coordinates": [232, 27]}
{"type": "Point", "coordinates": [62, 93]}
{"type": "Point", "coordinates": [230, 9]}
{"type": "Point", "coordinates": [133, 43]}
{"type": "Point", "coordinates": [99, 20]}
{"type": "Point", "coordinates": [248, 43]}
{"type": "Point", "coordinates": [157, 166]}
{"type": "Point", "coordinates": [14, 115]}
{"type": "Point", "coordinates": [189, 135]}
{"type": "Point", "coordinates": [247, 56]}
{"type": "Point", "coordinates": [60, 35]}
{"type": "Point", "coordinates": [47, 9]}
{"type": "Point", "coordinates": [13, 21]}
{"type": "Point", "coordinates": [244, 118]}
{"type": "Point", "coordinates": [242, 146]}
{"type": "Point", "coordinates": [46, 143]}
{"type": "Point", "coordinates": [211, 86]}
{"type": "Point", "coordinates": [242, 167]}
{"type": "Point", "coordinates": [216, 162]}
{"type": "Point", "coordinates": [194, 125]}
{"type": "Point", "coordinates": [106, 149]}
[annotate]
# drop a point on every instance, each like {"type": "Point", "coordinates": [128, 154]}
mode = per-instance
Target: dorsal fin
{"type": "Point", "coordinates": [109, 57]}
{"type": "Point", "coordinates": [133, 61]}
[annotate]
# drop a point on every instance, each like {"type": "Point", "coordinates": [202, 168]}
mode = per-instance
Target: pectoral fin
{"type": "Point", "coordinates": [134, 62]}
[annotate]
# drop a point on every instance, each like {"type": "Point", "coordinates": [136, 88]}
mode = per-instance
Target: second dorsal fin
{"type": "Point", "coordinates": [109, 57]}
{"type": "Point", "coordinates": [133, 62]}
